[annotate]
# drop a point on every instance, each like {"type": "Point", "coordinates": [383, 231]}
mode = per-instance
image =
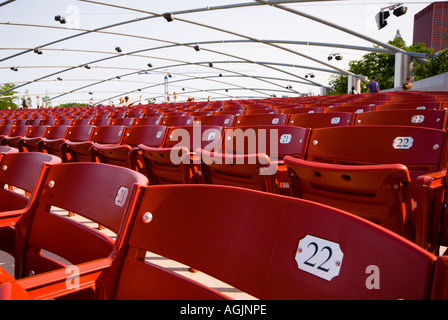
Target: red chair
{"type": "Point", "coordinates": [16, 133]}
{"type": "Point", "coordinates": [165, 165]}
{"type": "Point", "coordinates": [29, 141]}
{"type": "Point", "coordinates": [321, 120]}
{"type": "Point", "coordinates": [261, 119]}
{"type": "Point", "coordinates": [20, 176]}
{"type": "Point", "coordinates": [269, 246]}
{"type": "Point", "coordinates": [379, 193]}
{"type": "Point", "coordinates": [125, 154]}
{"type": "Point", "coordinates": [436, 119]}
{"type": "Point", "coordinates": [177, 121]}
{"type": "Point", "coordinates": [98, 192]}
{"type": "Point", "coordinates": [224, 120]}
{"type": "Point", "coordinates": [147, 121]}
{"type": "Point", "coordinates": [79, 151]}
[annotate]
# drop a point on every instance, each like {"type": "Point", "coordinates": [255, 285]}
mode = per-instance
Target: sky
{"type": "Point", "coordinates": [237, 41]}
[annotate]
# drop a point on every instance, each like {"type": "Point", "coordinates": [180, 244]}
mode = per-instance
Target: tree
{"type": "Point", "coordinates": [8, 100]}
{"type": "Point", "coordinates": [382, 67]}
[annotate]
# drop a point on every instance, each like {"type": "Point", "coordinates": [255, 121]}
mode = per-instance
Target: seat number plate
{"type": "Point", "coordinates": [319, 257]}
{"type": "Point", "coordinates": [403, 143]}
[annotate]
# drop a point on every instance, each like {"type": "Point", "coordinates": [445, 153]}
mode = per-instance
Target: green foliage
{"type": "Point", "coordinates": [382, 66]}
{"type": "Point", "coordinates": [73, 104]}
{"type": "Point", "coordinates": [9, 100]}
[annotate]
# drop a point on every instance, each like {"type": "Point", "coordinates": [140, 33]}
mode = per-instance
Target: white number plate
{"type": "Point", "coordinates": [319, 257]}
{"type": "Point", "coordinates": [403, 143]}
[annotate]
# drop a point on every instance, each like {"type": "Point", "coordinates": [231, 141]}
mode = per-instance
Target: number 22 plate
{"type": "Point", "coordinates": [319, 257]}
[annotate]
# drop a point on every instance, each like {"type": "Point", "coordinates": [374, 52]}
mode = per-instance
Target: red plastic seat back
{"type": "Point", "coordinates": [275, 141]}
{"type": "Point", "coordinates": [152, 135]}
{"type": "Point", "coordinates": [379, 193]}
{"type": "Point", "coordinates": [422, 150]}
{"type": "Point", "coordinates": [101, 193]}
{"type": "Point", "coordinates": [321, 120]}
{"type": "Point", "coordinates": [261, 119]}
{"type": "Point", "coordinates": [435, 119]}
{"type": "Point", "coordinates": [270, 246]}
{"type": "Point", "coordinates": [223, 120]}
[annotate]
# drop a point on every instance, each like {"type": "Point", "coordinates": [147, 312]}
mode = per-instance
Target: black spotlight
{"type": "Point", "coordinates": [87, 66]}
{"type": "Point", "coordinates": [400, 11]}
{"type": "Point", "coordinates": [380, 19]}
{"type": "Point", "coordinates": [149, 65]}
{"type": "Point", "coordinates": [196, 47]}
{"type": "Point", "coordinates": [330, 58]}
{"type": "Point", "coordinates": [339, 58]}
{"type": "Point", "coordinates": [59, 18]}
{"type": "Point", "coordinates": [118, 77]}
{"type": "Point", "coordinates": [37, 50]}
{"type": "Point", "coordinates": [59, 79]}
{"type": "Point", "coordinates": [210, 65]}
{"type": "Point", "coordinates": [118, 49]}
{"type": "Point", "coordinates": [14, 69]}
{"type": "Point", "coordinates": [168, 16]}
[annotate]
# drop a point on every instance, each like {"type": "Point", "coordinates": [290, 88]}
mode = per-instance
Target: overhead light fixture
{"type": "Point", "coordinates": [14, 69]}
{"type": "Point", "coordinates": [60, 18]}
{"type": "Point", "coordinates": [118, 49]}
{"type": "Point", "coordinates": [210, 65]}
{"type": "Point", "coordinates": [196, 47]}
{"type": "Point", "coordinates": [289, 87]}
{"type": "Point", "coordinates": [91, 93]}
{"type": "Point", "coordinates": [400, 11]}
{"type": "Point", "coordinates": [168, 16]}
{"type": "Point", "coordinates": [118, 77]}
{"type": "Point", "coordinates": [87, 66]}
{"type": "Point", "coordinates": [337, 56]}
{"type": "Point", "coordinates": [37, 50]}
{"type": "Point", "coordinates": [149, 65]}
{"type": "Point", "coordinates": [311, 75]}
{"type": "Point", "coordinates": [59, 79]}
{"type": "Point", "coordinates": [220, 74]}
{"type": "Point", "coordinates": [381, 17]}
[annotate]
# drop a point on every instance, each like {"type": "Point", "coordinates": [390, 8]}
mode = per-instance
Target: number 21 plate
{"type": "Point", "coordinates": [319, 257]}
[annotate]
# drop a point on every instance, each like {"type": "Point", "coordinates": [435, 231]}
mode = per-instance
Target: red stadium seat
{"type": "Point", "coordinates": [436, 119]}
{"type": "Point", "coordinates": [261, 119]}
{"type": "Point", "coordinates": [321, 120]}
{"type": "Point", "coordinates": [305, 251]}
{"type": "Point", "coordinates": [32, 136]}
{"type": "Point", "coordinates": [19, 180]}
{"type": "Point", "coordinates": [125, 154]}
{"type": "Point", "coordinates": [16, 133]}
{"type": "Point", "coordinates": [75, 134]}
{"type": "Point", "coordinates": [165, 165]}
{"type": "Point", "coordinates": [224, 120]}
{"type": "Point", "coordinates": [98, 192]}
{"type": "Point", "coordinates": [379, 193]}
{"type": "Point", "coordinates": [79, 151]}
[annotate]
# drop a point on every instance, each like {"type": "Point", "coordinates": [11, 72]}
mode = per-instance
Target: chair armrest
{"type": "Point", "coordinates": [430, 202]}
{"type": "Point", "coordinates": [56, 283]}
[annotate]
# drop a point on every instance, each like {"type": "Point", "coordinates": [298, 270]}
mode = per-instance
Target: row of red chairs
{"type": "Point", "coordinates": [167, 155]}
{"type": "Point", "coordinates": [267, 245]}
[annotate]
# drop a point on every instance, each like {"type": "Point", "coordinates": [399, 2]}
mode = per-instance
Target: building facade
{"type": "Point", "coordinates": [431, 26]}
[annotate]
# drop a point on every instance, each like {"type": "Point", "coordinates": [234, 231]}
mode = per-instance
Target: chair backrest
{"type": "Point", "coordinates": [223, 120]}
{"type": "Point", "coordinates": [321, 119]}
{"type": "Point", "coordinates": [421, 150]}
{"type": "Point", "coordinates": [79, 133]}
{"type": "Point", "coordinates": [121, 122]}
{"type": "Point", "coordinates": [22, 171]}
{"type": "Point", "coordinates": [275, 141]}
{"type": "Point", "coordinates": [250, 171]}
{"type": "Point", "coordinates": [379, 193]}
{"type": "Point", "coordinates": [147, 121]}
{"type": "Point", "coordinates": [5, 129]}
{"type": "Point", "coordinates": [261, 119]}
{"type": "Point", "coordinates": [101, 193]}
{"type": "Point", "coordinates": [165, 165]}
{"type": "Point", "coordinates": [436, 119]}
{"type": "Point", "coordinates": [269, 246]}
{"type": "Point", "coordinates": [151, 136]}
{"type": "Point", "coordinates": [416, 105]}
{"type": "Point", "coordinates": [177, 121]}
